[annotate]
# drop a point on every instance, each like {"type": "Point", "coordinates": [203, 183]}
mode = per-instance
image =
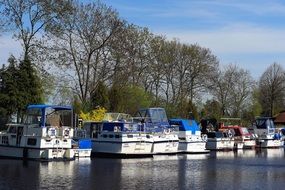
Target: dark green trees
{"type": "Point", "coordinates": [20, 86]}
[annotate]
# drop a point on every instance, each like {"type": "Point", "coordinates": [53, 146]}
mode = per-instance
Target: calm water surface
{"type": "Point", "coordinates": [248, 169]}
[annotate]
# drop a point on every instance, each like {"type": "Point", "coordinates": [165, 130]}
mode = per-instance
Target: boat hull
{"type": "Point", "coordinates": [192, 147]}
{"type": "Point", "coordinates": [36, 153]}
{"type": "Point", "coordinates": [217, 144]}
{"type": "Point", "coordinates": [119, 147]}
{"type": "Point", "coordinates": [269, 143]}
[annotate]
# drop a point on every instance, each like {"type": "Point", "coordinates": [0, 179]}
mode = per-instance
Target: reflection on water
{"type": "Point", "coordinates": [249, 153]}
{"type": "Point", "coordinates": [242, 169]}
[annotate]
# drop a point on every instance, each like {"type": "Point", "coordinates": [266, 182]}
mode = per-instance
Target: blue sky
{"type": "Point", "coordinates": [249, 33]}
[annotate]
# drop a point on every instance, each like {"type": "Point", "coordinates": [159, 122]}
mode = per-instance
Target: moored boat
{"type": "Point", "coordinates": [216, 139]}
{"type": "Point", "coordinates": [163, 137]}
{"type": "Point", "coordinates": [242, 137]}
{"type": "Point", "coordinates": [190, 139]}
{"type": "Point", "coordinates": [267, 134]}
{"type": "Point", "coordinates": [45, 134]}
{"type": "Point", "coordinates": [219, 141]}
{"type": "Point", "coordinates": [118, 135]}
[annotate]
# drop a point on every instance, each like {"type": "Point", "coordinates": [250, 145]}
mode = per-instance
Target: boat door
{"type": "Point", "coordinates": [19, 135]}
{"type": "Point", "coordinates": [96, 129]}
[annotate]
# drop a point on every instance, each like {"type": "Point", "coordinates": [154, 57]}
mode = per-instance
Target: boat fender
{"type": "Point", "coordinates": [204, 137]}
{"type": "Point", "coordinates": [66, 132]}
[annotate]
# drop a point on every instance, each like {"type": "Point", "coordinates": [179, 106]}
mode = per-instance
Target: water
{"type": "Point", "coordinates": [248, 169]}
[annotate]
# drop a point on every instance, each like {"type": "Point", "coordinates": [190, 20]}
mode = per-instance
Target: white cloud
{"type": "Point", "coordinates": [235, 39]}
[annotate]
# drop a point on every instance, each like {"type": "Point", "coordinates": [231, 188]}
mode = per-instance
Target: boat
{"type": "Point", "coordinates": [216, 139]}
{"type": "Point", "coordinates": [267, 134]}
{"type": "Point", "coordinates": [219, 140]}
{"type": "Point", "coordinates": [45, 134]}
{"type": "Point", "coordinates": [190, 137]}
{"type": "Point", "coordinates": [164, 138]}
{"type": "Point", "coordinates": [118, 135]}
{"type": "Point", "coordinates": [242, 137]}
{"type": "Point", "coordinates": [81, 144]}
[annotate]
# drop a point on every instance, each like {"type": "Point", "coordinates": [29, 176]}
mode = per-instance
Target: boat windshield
{"type": "Point", "coordinates": [158, 115]}
{"type": "Point", "coordinates": [244, 130]}
{"type": "Point", "coordinates": [53, 117]}
{"type": "Point", "coordinates": [33, 117]}
{"type": "Point", "coordinates": [117, 117]}
{"type": "Point", "coordinates": [154, 115]}
{"type": "Point", "coordinates": [264, 123]}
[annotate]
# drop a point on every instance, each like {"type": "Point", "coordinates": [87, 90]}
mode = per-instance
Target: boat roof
{"type": "Point", "coordinates": [186, 124]}
{"type": "Point", "coordinates": [44, 106]}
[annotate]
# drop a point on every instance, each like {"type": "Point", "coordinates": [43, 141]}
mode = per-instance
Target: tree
{"type": "Point", "coordinates": [78, 45]}
{"type": "Point", "coordinates": [272, 89]}
{"type": "Point", "coordinates": [9, 94]}
{"type": "Point", "coordinates": [211, 109]}
{"type": "Point", "coordinates": [128, 99]}
{"type": "Point", "coordinates": [99, 98]}
{"type": "Point", "coordinates": [29, 86]}
{"type": "Point", "coordinates": [232, 88]}
{"type": "Point", "coordinates": [28, 18]}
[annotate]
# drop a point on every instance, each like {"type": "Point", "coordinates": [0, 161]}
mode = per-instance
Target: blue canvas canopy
{"type": "Point", "coordinates": [44, 106]}
{"type": "Point", "coordinates": [185, 125]}
{"type": "Point", "coordinates": [43, 110]}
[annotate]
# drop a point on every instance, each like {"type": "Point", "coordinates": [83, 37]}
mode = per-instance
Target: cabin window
{"type": "Point", "coordinates": [130, 136]}
{"type": "Point", "coordinates": [104, 136]}
{"type": "Point", "coordinates": [4, 139]}
{"type": "Point", "coordinates": [147, 136]}
{"type": "Point", "coordinates": [12, 129]}
{"type": "Point", "coordinates": [117, 136]}
{"type": "Point", "coordinates": [32, 141]}
{"type": "Point", "coordinates": [111, 136]}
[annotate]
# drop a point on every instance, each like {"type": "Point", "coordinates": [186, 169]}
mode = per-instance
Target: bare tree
{"type": "Point", "coordinates": [28, 18]}
{"type": "Point", "coordinates": [79, 45]}
{"type": "Point", "coordinates": [272, 89]}
{"type": "Point", "coordinates": [232, 88]}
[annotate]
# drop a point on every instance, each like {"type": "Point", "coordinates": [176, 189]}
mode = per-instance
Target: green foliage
{"type": "Point", "coordinates": [29, 85]}
{"type": "Point", "coordinates": [134, 98]}
{"type": "Point", "coordinates": [100, 96]}
{"type": "Point", "coordinates": [211, 109]}
{"type": "Point", "coordinates": [128, 99]}
{"type": "Point", "coordinates": [20, 86]}
{"type": "Point", "coordinates": [115, 98]}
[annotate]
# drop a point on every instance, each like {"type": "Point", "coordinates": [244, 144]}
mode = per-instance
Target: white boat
{"type": "Point", "coordinates": [242, 138]}
{"type": "Point", "coordinates": [190, 139]}
{"type": "Point", "coordinates": [118, 135]}
{"type": "Point", "coordinates": [45, 134]}
{"type": "Point", "coordinates": [163, 137]}
{"type": "Point", "coordinates": [219, 141]}
{"type": "Point", "coordinates": [267, 135]}
{"type": "Point", "coordinates": [82, 148]}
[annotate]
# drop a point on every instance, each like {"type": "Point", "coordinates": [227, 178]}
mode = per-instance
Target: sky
{"type": "Point", "coordinates": [249, 33]}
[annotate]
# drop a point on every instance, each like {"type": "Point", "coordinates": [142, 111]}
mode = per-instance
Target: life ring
{"type": "Point", "coordinates": [167, 131]}
{"type": "Point", "coordinates": [230, 135]}
{"type": "Point", "coordinates": [204, 137]}
{"type": "Point", "coordinates": [52, 132]}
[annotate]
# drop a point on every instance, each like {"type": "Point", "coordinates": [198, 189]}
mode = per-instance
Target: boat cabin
{"type": "Point", "coordinates": [155, 119]}
{"type": "Point", "coordinates": [264, 125]}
